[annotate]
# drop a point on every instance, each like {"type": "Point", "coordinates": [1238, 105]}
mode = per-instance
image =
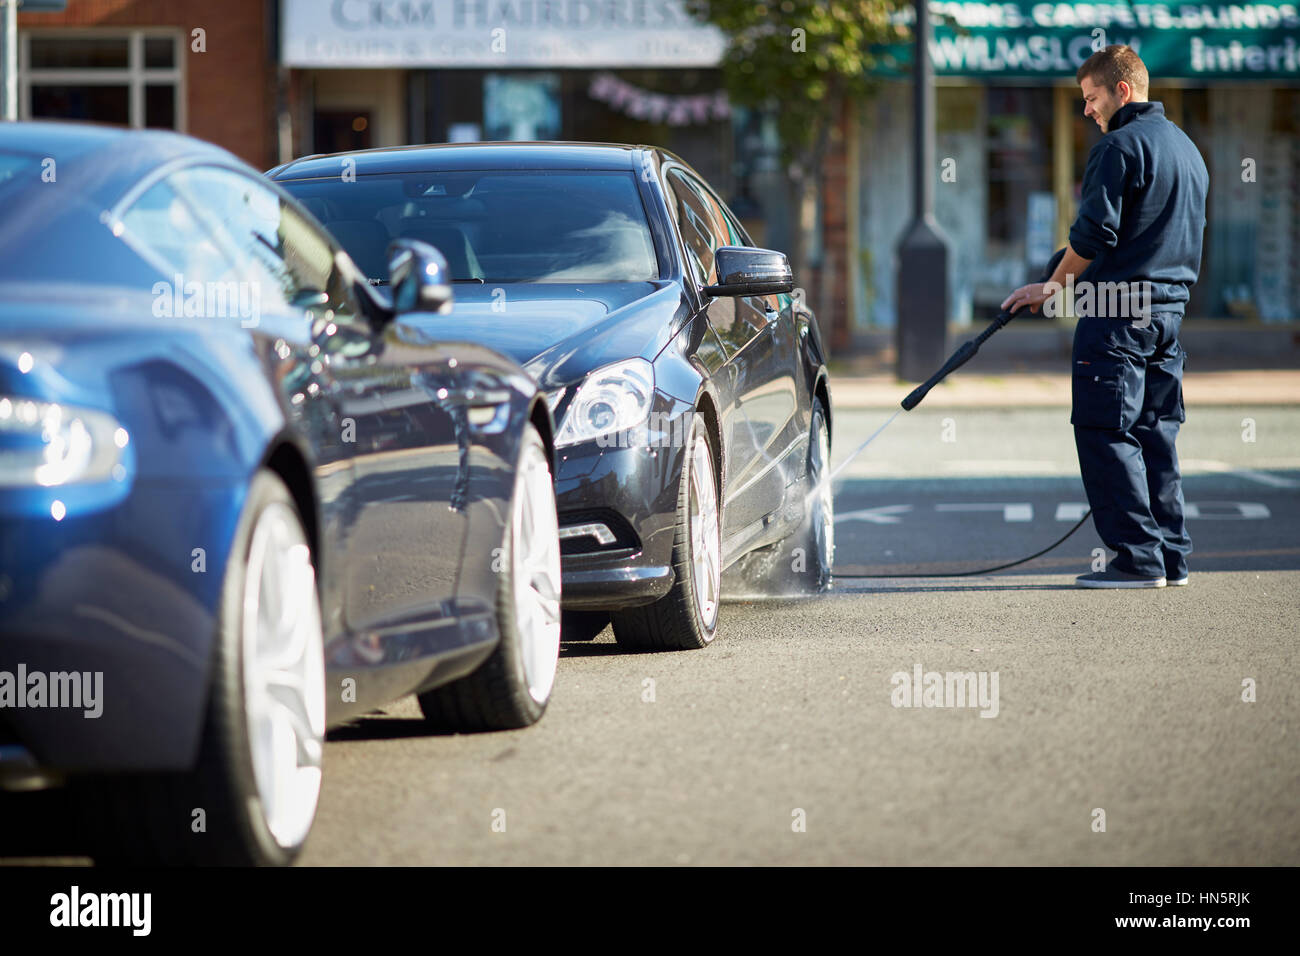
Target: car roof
{"type": "Point", "coordinates": [467, 156]}
{"type": "Point", "coordinates": [103, 161]}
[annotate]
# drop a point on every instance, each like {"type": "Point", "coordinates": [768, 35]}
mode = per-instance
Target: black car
{"type": "Point", "coordinates": [242, 497]}
{"type": "Point", "coordinates": [689, 384]}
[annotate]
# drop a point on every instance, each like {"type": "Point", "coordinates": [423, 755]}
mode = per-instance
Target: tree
{"type": "Point", "coordinates": [802, 59]}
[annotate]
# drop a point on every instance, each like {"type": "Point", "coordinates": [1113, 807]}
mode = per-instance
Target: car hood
{"type": "Point", "coordinates": [559, 332]}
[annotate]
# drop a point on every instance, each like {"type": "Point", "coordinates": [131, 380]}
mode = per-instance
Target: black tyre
{"type": "Point", "coordinates": [512, 687]}
{"type": "Point", "coordinates": [686, 618]}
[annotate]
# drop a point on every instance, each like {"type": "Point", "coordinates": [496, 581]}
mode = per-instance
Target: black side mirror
{"type": "Point", "coordinates": [418, 278]}
{"type": "Point", "coordinates": [746, 271]}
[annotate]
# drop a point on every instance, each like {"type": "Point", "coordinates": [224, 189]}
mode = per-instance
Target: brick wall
{"type": "Point", "coordinates": [229, 89]}
{"type": "Point", "coordinates": [831, 278]}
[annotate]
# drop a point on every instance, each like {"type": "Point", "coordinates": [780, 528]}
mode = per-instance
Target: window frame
{"type": "Point", "coordinates": [135, 77]}
{"type": "Point", "coordinates": [696, 182]}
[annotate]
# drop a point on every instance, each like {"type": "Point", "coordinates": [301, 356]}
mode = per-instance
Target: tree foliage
{"type": "Point", "coordinates": [801, 59]}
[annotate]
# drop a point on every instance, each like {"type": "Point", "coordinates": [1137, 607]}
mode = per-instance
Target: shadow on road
{"type": "Point", "coordinates": [591, 649]}
{"type": "Point", "coordinates": [383, 727]}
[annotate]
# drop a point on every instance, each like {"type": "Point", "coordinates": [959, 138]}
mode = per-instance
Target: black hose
{"type": "Point", "coordinates": [959, 358]}
{"type": "Point", "coordinates": [966, 574]}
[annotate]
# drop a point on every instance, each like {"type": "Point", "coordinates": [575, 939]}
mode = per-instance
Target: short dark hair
{"type": "Point", "coordinates": [1116, 62]}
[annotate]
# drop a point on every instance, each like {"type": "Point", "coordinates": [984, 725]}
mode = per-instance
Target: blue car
{"type": "Point", "coordinates": [242, 498]}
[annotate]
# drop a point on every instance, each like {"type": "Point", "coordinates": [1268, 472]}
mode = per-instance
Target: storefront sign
{"type": "Point", "coordinates": [1185, 40]}
{"type": "Point", "coordinates": [495, 34]}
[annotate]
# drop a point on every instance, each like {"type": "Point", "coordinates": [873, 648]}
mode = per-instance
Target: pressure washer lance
{"type": "Point", "coordinates": [958, 358]}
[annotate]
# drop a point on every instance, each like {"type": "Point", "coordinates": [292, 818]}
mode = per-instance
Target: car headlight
{"type": "Point", "coordinates": [47, 444]}
{"type": "Point", "coordinates": [610, 399]}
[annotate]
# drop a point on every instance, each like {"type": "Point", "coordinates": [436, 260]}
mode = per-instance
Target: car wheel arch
{"type": "Point", "coordinates": [540, 417]}
{"type": "Point", "coordinates": [289, 463]}
{"type": "Point", "coordinates": [706, 406]}
{"type": "Point", "coordinates": [822, 391]}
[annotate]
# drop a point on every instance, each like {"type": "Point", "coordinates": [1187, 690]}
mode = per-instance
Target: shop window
{"type": "Point", "coordinates": [128, 78]}
{"type": "Point", "coordinates": [1018, 200]}
{"type": "Point", "coordinates": [1250, 140]}
{"type": "Point", "coordinates": [1019, 160]}
{"type": "Point", "coordinates": [338, 131]}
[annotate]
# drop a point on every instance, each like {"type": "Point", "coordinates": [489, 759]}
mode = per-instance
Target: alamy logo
{"type": "Point", "coordinates": [77, 690]}
{"type": "Point", "coordinates": [74, 908]}
{"type": "Point", "coordinates": [208, 300]}
{"type": "Point", "coordinates": [1111, 300]}
{"type": "Point", "coordinates": [952, 689]}
{"type": "Point", "coordinates": [659, 430]}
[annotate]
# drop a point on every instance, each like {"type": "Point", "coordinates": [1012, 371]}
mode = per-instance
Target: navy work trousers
{"type": "Point", "coordinates": [1128, 405]}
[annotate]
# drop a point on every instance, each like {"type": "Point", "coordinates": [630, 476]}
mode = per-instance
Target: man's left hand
{"type": "Point", "coordinates": [1032, 295]}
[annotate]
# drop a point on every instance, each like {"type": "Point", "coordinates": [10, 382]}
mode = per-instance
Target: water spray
{"type": "Point", "coordinates": [958, 358]}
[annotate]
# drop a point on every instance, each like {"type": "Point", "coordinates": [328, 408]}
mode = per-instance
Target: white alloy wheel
{"type": "Point", "coordinates": [706, 538]}
{"type": "Point", "coordinates": [823, 498]}
{"type": "Point", "coordinates": [536, 572]}
{"type": "Point", "coordinates": [284, 674]}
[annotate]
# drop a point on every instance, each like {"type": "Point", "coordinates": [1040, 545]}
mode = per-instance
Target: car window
{"type": "Point", "coordinates": [738, 236]}
{"type": "Point", "coordinates": [163, 228]}
{"type": "Point", "coordinates": [695, 221]}
{"type": "Point", "coordinates": [275, 245]}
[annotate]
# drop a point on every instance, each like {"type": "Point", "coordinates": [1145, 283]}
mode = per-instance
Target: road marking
{"type": "Point", "coordinates": [1246, 510]}
{"type": "Point", "coordinates": [886, 514]}
{"type": "Point", "coordinates": [1015, 512]}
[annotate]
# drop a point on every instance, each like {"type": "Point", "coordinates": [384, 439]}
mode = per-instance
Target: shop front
{"type": "Point", "coordinates": [638, 71]}
{"type": "Point", "coordinates": [1012, 143]}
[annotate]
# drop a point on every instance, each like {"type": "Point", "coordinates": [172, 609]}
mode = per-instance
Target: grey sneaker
{"type": "Point", "coordinates": [1177, 582]}
{"type": "Point", "coordinates": [1110, 578]}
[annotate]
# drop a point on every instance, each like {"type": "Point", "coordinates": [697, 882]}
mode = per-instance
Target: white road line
{"type": "Point", "coordinates": [886, 514]}
{"type": "Point", "coordinates": [1015, 512]}
{"type": "Point", "coordinates": [1071, 510]}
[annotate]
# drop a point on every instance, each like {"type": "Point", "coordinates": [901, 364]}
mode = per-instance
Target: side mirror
{"type": "Point", "coordinates": [418, 278]}
{"type": "Point", "coordinates": [746, 271]}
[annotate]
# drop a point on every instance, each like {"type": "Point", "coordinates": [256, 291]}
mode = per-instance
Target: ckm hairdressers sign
{"type": "Point", "coordinates": [495, 34]}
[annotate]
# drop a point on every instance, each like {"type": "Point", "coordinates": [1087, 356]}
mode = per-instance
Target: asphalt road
{"type": "Point", "coordinates": [781, 743]}
{"type": "Point", "coordinates": [1124, 702]}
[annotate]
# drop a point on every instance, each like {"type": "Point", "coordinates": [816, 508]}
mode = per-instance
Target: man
{"type": "Point", "coordinates": [1140, 223]}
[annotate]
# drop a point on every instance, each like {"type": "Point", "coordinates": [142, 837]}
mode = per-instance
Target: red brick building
{"type": "Point", "coordinates": [201, 67]}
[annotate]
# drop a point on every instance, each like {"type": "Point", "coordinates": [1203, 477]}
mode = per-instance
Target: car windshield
{"type": "Point", "coordinates": [493, 226]}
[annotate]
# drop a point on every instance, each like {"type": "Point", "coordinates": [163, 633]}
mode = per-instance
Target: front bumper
{"type": "Point", "coordinates": [630, 484]}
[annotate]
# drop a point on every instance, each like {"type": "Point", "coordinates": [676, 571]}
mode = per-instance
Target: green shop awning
{"type": "Point", "coordinates": [1205, 41]}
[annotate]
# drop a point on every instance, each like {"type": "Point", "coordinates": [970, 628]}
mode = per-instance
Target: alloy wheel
{"type": "Point", "coordinates": [535, 556]}
{"type": "Point", "coordinates": [284, 674]}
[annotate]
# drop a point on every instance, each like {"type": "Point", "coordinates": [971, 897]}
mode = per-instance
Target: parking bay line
{"type": "Point", "coordinates": [1020, 512]}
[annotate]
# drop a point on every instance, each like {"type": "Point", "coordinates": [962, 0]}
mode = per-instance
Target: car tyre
{"type": "Point", "coordinates": [686, 618]}
{"type": "Point", "coordinates": [252, 797]}
{"type": "Point", "coordinates": [512, 688]}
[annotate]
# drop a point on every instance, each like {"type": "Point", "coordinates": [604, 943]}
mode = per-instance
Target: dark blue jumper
{"type": "Point", "coordinates": [1141, 220]}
